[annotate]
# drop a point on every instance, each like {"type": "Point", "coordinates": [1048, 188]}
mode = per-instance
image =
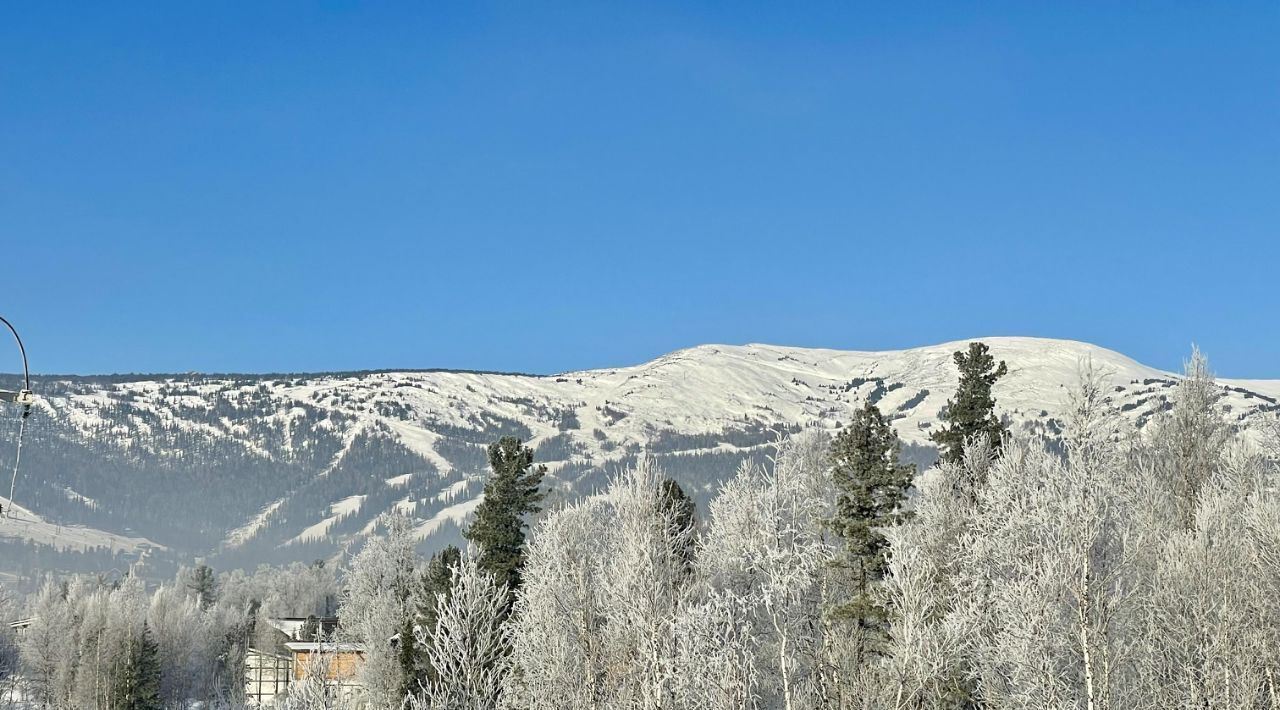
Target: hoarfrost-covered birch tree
{"type": "Point", "coordinates": [190, 640]}
{"type": "Point", "coordinates": [467, 648]}
{"type": "Point", "coordinates": [377, 600]}
{"type": "Point", "coordinates": [928, 661]}
{"type": "Point", "coordinates": [9, 654]}
{"type": "Point", "coordinates": [556, 638]}
{"type": "Point", "coordinates": [1116, 573]}
{"type": "Point", "coordinates": [1050, 561]}
{"type": "Point", "coordinates": [603, 583]}
{"type": "Point", "coordinates": [717, 643]}
{"type": "Point", "coordinates": [1210, 612]}
{"type": "Point", "coordinates": [641, 587]}
{"type": "Point", "coordinates": [49, 647]}
{"type": "Point", "coordinates": [765, 542]}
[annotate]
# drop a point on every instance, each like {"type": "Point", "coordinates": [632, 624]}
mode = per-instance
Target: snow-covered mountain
{"type": "Point", "coordinates": [266, 468]}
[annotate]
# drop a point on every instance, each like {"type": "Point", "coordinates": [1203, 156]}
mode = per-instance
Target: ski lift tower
{"type": "Point", "coordinates": [24, 399]}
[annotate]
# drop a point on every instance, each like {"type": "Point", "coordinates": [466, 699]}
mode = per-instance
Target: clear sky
{"type": "Point", "coordinates": [268, 186]}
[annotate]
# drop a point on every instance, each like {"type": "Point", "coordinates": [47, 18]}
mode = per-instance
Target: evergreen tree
{"type": "Point", "coordinates": [973, 410]}
{"type": "Point", "coordinates": [871, 486]}
{"type": "Point", "coordinates": [511, 493]}
{"type": "Point", "coordinates": [138, 685]}
{"type": "Point", "coordinates": [682, 508]}
{"type": "Point", "coordinates": [409, 658]}
{"type": "Point", "coordinates": [204, 585]}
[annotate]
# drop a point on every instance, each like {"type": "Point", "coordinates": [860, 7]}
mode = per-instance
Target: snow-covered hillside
{"type": "Point", "coordinates": [273, 467]}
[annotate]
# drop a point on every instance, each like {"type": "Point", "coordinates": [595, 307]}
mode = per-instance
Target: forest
{"type": "Point", "coordinates": [1098, 567]}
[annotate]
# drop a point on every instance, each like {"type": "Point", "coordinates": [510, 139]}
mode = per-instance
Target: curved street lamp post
{"type": "Point", "coordinates": [23, 398]}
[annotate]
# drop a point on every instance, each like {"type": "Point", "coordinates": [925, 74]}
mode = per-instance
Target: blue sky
{"type": "Point", "coordinates": [540, 187]}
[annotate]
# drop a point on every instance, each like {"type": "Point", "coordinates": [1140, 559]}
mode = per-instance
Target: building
{"type": "Point", "coordinates": [343, 660]}
{"type": "Point", "coordinates": [266, 676]}
{"type": "Point", "coordinates": [19, 627]}
{"type": "Point", "coordinates": [281, 654]}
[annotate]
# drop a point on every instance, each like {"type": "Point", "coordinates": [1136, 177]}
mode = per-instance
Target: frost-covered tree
{"type": "Point", "coordinates": [379, 596]}
{"type": "Point", "coordinates": [9, 654]}
{"type": "Point", "coordinates": [604, 582]}
{"type": "Point", "coordinates": [1271, 438]}
{"type": "Point", "coordinates": [190, 639]}
{"type": "Point", "coordinates": [467, 647]}
{"type": "Point", "coordinates": [1208, 637]}
{"type": "Point", "coordinates": [556, 626]}
{"type": "Point", "coordinates": [111, 622]}
{"type": "Point", "coordinates": [1261, 519]}
{"type": "Point", "coordinates": [1048, 567]}
{"type": "Point", "coordinates": [1189, 441]}
{"type": "Point", "coordinates": [203, 584]}
{"type": "Point", "coordinates": [765, 541]}
{"type": "Point", "coordinates": [926, 663]}
{"type": "Point", "coordinates": [717, 646]}
{"type": "Point", "coordinates": [314, 691]}
{"type": "Point", "coordinates": [48, 648]}
{"type": "Point", "coordinates": [683, 511]}
{"type": "Point", "coordinates": [642, 584]}
{"type": "Point", "coordinates": [298, 589]}
{"type": "Point", "coordinates": [416, 636]}
{"type": "Point", "coordinates": [1096, 572]}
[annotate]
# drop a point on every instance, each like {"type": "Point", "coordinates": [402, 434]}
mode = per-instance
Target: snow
{"type": "Point", "coordinates": [397, 481]}
{"type": "Point", "coordinates": [701, 390]}
{"type": "Point", "coordinates": [337, 510]}
{"type": "Point", "coordinates": [244, 533]}
{"type": "Point", "coordinates": [87, 501]}
{"type": "Point", "coordinates": [347, 505]}
{"type": "Point", "coordinates": [421, 441]}
{"type": "Point", "coordinates": [21, 523]}
{"type": "Point", "coordinates": [453, 491]}
{"type": "Point", "coordinates": [457, 513]}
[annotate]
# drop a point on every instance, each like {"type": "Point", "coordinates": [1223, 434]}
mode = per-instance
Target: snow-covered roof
{"type": "Point", "coordinates": [324, 647]}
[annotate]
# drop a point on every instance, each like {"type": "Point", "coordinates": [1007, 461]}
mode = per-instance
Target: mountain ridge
{"type": "Point", "coordinates": [286, 466]}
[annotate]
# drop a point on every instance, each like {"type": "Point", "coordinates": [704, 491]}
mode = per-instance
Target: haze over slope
{"type": "Point", "coordinates": [267, 468]}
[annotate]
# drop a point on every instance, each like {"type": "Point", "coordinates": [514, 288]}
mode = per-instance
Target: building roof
{"type": "Point", "coordinates": [257, 651]}
{"type": "Point", "coordinates": [291, 625]}
{"type": "Point", "coordinates": [325, 647]}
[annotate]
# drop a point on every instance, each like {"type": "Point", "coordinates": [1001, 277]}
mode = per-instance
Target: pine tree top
{"type": "Point", "coordinates": [972, 411]}
{"type": "Point", "coordinates": [512, 492]}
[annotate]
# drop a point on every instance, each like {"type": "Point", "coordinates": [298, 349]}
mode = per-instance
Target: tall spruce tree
{"type": "Point", "coordinates": [871, 486]}
{"type": "Point", "coordinates": [973, 410]}
{"type": "Point", "coordinates": [511, 493]}
{"type": "Point", "coordinates": [138, 685]}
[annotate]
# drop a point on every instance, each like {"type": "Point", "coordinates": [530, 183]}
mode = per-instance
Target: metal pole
{"type": "Point", "coordinates": [26, 412]}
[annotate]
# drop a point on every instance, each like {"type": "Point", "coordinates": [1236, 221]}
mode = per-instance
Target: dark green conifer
{"type": "Point", "coordinates": [871, 485]}
{"type": "Point", "coordinates": [511, 493]}
{"type": "Point", "coordinates": [410, 657]}
{"type": "Point", "coordinates": [204, 584]}
{"type": "Point", "coordinates": [682, 510]}
{"type": "Point", "coordinates": [138, 685]}
{"type": "Point", "coordinates": [973, 410]}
